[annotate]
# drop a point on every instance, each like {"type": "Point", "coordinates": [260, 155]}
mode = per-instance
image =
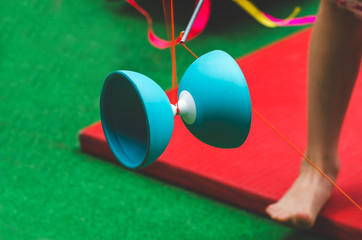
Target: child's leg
{"type": "Point", "coordinates": [334, 61]}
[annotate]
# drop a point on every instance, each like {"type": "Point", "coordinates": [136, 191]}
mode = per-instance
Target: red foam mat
{"type": "Point", "coordinates": [261, 170]}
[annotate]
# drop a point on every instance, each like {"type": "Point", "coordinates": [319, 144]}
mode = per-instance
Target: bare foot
{"type": "Point", "coordinates": [302, 202]}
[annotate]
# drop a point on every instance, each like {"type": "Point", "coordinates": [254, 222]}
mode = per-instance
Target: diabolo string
{"type": "Point", "coordinates": [298, 151]}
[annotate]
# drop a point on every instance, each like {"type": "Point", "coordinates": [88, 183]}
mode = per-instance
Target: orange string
{"type": "Point", "coordinates": [308, 160]}
{"type": "Point", "coordinates": [173, 54]}
{"type": "Point", "coordinates": [297, 150]}
{"type": "Point", "coordinates": [183, 44]}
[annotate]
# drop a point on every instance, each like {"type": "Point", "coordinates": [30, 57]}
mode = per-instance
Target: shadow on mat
{"type": "Point", "coordinates": [303, 235]}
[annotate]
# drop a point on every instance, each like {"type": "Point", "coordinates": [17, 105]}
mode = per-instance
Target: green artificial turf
{"type": "Point", "coordinates": [54, 56]}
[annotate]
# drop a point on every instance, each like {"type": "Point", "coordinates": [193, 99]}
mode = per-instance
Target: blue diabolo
{"type": "Point", "coordinates": [213, 101]}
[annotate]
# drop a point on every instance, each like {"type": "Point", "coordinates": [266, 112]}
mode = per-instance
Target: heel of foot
{"type": "Point", "coordinates": [303, 220]}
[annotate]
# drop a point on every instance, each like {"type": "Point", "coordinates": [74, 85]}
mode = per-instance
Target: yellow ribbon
{"type": "Point", "coordinates": [261, 17]}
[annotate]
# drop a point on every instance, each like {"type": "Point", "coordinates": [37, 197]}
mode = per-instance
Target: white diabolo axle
{"type": "Point", "coordinates": [186, 106]}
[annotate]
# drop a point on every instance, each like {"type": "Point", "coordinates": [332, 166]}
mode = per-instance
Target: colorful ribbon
{"type": "Point", "coordinates": [204, 14]}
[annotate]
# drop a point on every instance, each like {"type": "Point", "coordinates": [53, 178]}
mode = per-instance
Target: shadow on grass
{"type": "Point", "coordinates": [303, 235]}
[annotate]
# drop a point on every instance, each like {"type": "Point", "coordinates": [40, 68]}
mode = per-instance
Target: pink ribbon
{"type": "Point", "coordinates": [198, 26]}
{"type": "Point", "coordinates": [292, 22]}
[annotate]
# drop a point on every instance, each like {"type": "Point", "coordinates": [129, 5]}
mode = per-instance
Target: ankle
{"type": "Point", "coordinates": [328, 163]}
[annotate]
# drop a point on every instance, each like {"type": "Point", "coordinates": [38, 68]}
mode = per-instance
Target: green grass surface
{"type": "Point", "coordinates": [53, 59]}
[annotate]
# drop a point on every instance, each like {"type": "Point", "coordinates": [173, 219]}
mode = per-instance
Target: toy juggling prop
{"type": "Point", "coordinates": [213, 102]}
